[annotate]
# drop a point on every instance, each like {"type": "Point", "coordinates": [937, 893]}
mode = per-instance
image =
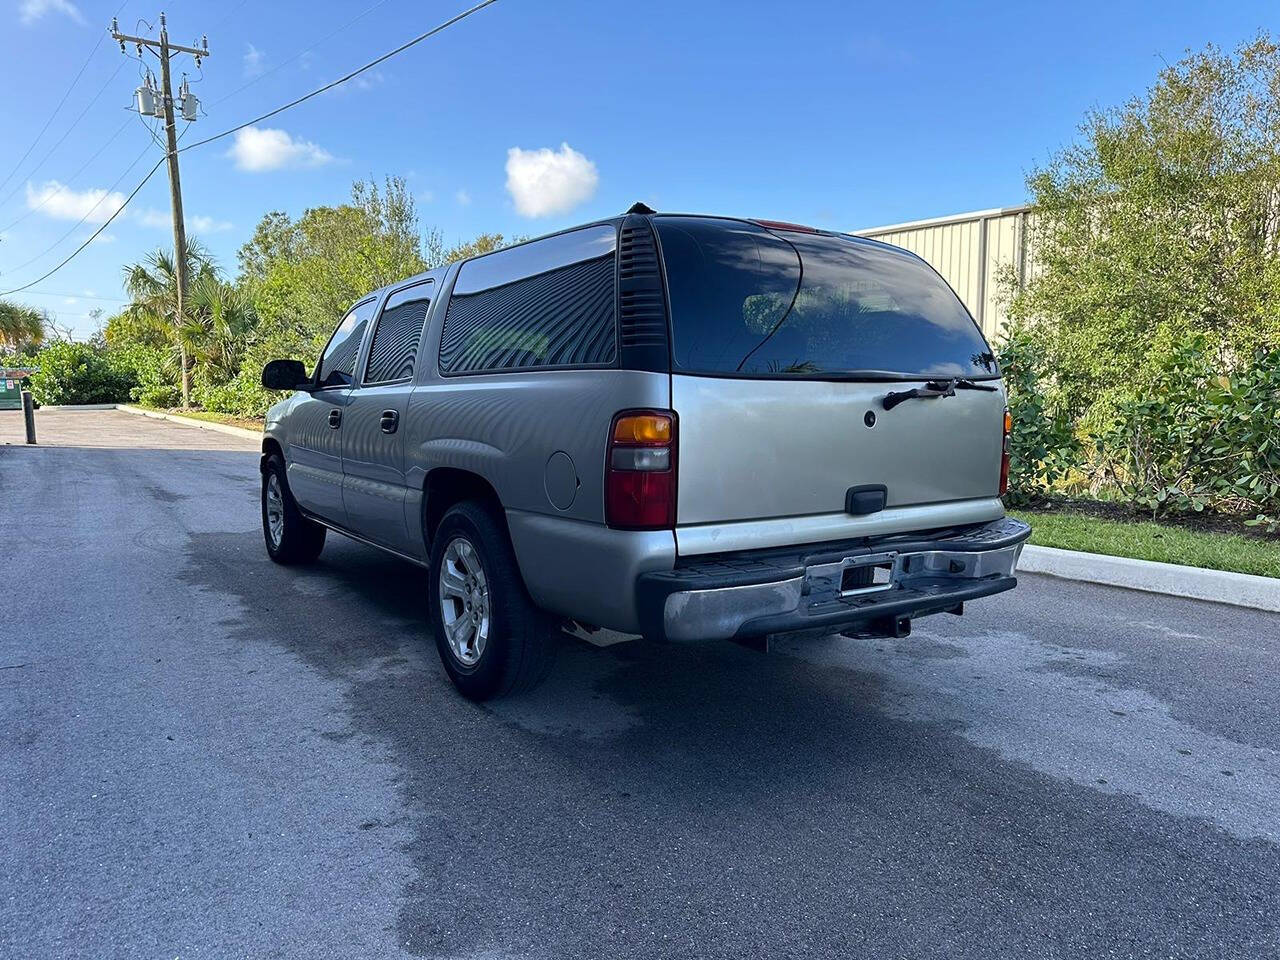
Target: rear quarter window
{"type": "Point", "coordinates": [549, 303]}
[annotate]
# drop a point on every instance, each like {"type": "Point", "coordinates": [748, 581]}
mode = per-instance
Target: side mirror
{"type": "Point", "coordinates": [285, 375]}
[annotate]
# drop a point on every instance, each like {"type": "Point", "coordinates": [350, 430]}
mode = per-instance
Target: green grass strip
{"type": "Point", "coordinates": [1145, 540]}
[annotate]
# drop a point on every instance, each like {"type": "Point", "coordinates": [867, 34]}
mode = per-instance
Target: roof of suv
{"type": "Point", "coordinates": [645, 210]}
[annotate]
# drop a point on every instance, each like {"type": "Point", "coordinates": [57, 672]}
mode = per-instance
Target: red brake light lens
{"type": "Point", "coordinates": [784, 225]}
{"type": "Point", "coordinates": [640, 471]}
{"type": "Point", "coordinates": [1004, 454]}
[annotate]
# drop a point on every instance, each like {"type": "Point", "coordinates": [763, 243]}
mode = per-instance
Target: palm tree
{"type": "Point", "coordinates": [152, 286]}
{"type": "Point", "coordinates": [216, 326]}
{"type": "Point", "coordinates": [20, 327]}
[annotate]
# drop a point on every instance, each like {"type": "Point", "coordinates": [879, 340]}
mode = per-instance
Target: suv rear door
{"type": "Point", "coordinates": [373, 462]}
{"type": "Point", "coordinates": [784, 345]}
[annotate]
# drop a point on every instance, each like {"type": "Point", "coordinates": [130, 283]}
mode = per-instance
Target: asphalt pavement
{"type": "Point", "coordinates": [203, 754]}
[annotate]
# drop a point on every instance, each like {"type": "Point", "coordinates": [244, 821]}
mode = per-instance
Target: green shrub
{"type": "Point", "coordinates": [77, 373]}
{"type": "Point", "coordinates": [151, 370]}
{"type": "Point", "coordinates": [1200, 437]}
{"type": "Point", "coordinates": [242, 396]}
{"type": "Point", "coordinates": [1043, 445]}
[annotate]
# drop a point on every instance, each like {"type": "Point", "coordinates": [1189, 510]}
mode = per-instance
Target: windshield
{"type": "Point", "coordinates": [748, 301]}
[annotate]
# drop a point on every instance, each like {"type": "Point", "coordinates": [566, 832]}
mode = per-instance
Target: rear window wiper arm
{"type": "Point", "coordinates": [933, 388]}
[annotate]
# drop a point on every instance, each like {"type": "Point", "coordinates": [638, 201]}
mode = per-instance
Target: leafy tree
{"type": "Point", "coordinates": [152, 286]}
{"type": "Point", "coordinates": [1042, 441]}
{"type": "Point", "coordinates": [438, 254]}
{"type": "Point", "coordinates": [1160, 224]}
{"type": "Point", "coordinates": [273, 240]}
{"type": "Point", "coordinates": [303, 274]}
{"type": "Point", "coordinates": [21, 328]}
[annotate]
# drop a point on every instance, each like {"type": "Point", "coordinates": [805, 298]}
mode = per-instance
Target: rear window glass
{"type": "Point", "coordinates": [395, 339]}
{"type": "Point", "coordinates": [749, 301]}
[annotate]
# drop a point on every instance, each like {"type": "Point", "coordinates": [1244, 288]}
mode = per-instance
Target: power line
{"type": "Point", "coordinates": [218, 136]}
{"type": "Point", "coordinates": [329, 86]}
{"type": "Point", "coordinates": [74, 123]}
{"type": "Point", "coordinates": [88, 213]}
{"type": "Point", "coordinates": [71, 86]}
{"type": "Point", "coordinates": [75, 296]}
{"type": "Point", "coordinates": [230, 13]}
{"type": "Point", "coordinates": [301, 53]}
{"type": "Point", "coordinates": [63, 186]}
{"type": "Point", "coordinates": [93, 236]}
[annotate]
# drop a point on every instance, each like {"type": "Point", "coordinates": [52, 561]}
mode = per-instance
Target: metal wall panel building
{"type": "Point", "coordinates": [971, 251]}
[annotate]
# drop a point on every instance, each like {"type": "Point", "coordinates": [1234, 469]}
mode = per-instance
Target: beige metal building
{"type": "Point", "coordinates": [971, 250]}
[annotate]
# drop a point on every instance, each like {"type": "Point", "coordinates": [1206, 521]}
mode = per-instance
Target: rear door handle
{"type": "Point", "coordinates": [390, 420]}
{"type": "Point", "coordinates": [335, 419]}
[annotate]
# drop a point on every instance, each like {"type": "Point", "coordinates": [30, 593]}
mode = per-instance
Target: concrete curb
{"type": "Point", "coordinates": [77, 407]}
{"type": "Point", "coordinates": [1198, 583]}
{"type": "Point", "coordinates": [189, 421]}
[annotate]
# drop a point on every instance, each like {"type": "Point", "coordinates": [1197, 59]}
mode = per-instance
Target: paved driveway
{"type": "Point", "coordinates": [206, 755]}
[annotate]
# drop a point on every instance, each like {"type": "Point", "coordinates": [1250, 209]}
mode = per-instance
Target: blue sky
{"type": "Point", "coordinates": [843, 115]}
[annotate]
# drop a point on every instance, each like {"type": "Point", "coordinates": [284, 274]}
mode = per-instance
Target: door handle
{"type": "Point", "coordinates": [335, 419]}
{"type": "Point", "coordinates": [389, 421]}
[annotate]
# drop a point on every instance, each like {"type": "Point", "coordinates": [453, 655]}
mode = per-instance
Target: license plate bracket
{"type": "Point", "coordinates": [851, 576]}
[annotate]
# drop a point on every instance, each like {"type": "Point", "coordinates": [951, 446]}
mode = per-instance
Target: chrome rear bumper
{"type": "Point", "coordinates": [836, 586]}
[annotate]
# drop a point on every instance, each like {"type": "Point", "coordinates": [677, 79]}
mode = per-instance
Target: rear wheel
{"type": "Point", "coordinates": [291, 538]}
{"type": "Point", "coordinates": [492, 639]}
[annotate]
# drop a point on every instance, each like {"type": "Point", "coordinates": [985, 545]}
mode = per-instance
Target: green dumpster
{"type": "Point", "coordinates": [11, 388]}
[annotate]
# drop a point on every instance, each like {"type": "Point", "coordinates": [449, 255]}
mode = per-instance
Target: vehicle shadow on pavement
{"type": "Point", "coordinates": [708, 800]}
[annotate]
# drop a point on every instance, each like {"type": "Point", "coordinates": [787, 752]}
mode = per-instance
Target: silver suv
{"type": "Point", "coordinates": [683, 427]}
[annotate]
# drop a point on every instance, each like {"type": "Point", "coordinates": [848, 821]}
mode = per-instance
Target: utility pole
{"type": "Point", "coordinates": [162, 105]}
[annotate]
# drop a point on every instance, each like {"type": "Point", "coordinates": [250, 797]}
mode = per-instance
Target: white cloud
{"type": "Point", "coordinates": [208, 224]}
{"type": "Point", "coordinates": [70, 300]}
{"type": "Point", "coordinates": [162, 219]}
{"type": "Point", "coordinates": [258, 149]}
{"type": "Point", "coordinates": [427, 196]}
{"type": "Point", "coordinates": [463, 198]}
{"type": "Point", "coordinates": [151, 217]}
{"type": "Point", "coordinates": [105, 238]}
{"type": "Point", "coordinates": [254, 61]}
{"type": "Point", "coordinates": [32, 10]}
{"type": "Point", "coordinates": [58, 201]}
{"type": "Point", "coordinates": [545, 182]}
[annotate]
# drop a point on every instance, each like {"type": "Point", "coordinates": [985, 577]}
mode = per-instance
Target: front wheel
{"type": "Point", "coordinates": [492, 639]}
{"type": "Point", "coordinates": [291, 538]}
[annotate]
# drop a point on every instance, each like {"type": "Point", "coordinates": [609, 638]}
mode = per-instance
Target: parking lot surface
{"type": "Point", "coordinates": [205, 755]}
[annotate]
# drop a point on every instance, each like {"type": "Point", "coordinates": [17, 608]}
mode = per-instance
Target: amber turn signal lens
{"type": "Point", "coordinates": [642, 428]}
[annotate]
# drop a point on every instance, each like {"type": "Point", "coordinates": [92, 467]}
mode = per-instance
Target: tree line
{"type": "Point", "coordinates": [295, 278]}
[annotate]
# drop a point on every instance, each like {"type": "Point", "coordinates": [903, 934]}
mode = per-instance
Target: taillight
{"type": "Point", "coordinates": [640, 471]}
{"type": "Point", "coordinates": [1004, 454]}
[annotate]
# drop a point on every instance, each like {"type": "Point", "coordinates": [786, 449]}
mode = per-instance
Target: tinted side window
{"type": "Point", "coordinates": [395, 338]}
{"type": "Point", "coordinates": [549, 303]}
{"type": "Point", "coordinates": [338, 362]}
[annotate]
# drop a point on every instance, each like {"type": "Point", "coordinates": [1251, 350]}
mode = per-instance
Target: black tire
{"type": "Point", "coordinates": [520, 645]}
{"type": "Point", "coordinates": [301, 540]}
